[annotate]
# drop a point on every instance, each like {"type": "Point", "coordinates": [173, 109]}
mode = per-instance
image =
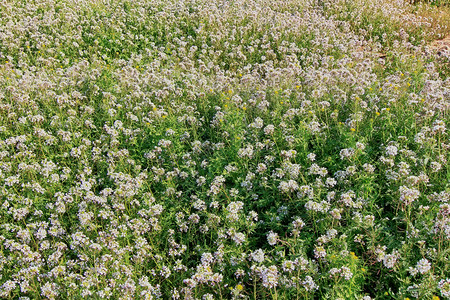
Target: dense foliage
{"type": "Point", "coordinates": [227, 149]}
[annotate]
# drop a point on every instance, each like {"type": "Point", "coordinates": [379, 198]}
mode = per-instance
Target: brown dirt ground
{"type": "Point", "coordinates": [440, 45]}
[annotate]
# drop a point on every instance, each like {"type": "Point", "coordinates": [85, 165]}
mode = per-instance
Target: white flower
{"type": "Point", "coordinates": [423, 266]}
{"type": "Point", "coordinates": [444, 287]}
{"type": "Point", "coordinates": [272, 238]}
{"type": "Point", "coordinates": [391, 151]}
{"type": "Point", "coordinates": [269, 129]}
{"type": "Point", "coordinates": [389, 260]}
{"type": "Point", "coordinates": [408, 195]}
{"type": "Point", "coordinates": [258, 256]}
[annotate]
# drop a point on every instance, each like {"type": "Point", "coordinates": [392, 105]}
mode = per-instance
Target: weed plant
{"type": "Point", "coordinates": [249, 149]}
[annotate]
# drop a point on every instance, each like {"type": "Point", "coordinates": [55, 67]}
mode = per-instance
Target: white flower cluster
{"type": "Point", "coordinates": [212, 149]}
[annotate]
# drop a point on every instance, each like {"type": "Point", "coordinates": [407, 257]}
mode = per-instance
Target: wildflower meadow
{"type": "Point", "coordinates": [224, 149]}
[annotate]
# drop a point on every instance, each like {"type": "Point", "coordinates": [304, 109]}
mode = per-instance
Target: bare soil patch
{"type": "Point", "coordinates": [440, 45]}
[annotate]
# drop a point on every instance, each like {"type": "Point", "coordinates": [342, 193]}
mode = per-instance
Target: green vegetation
{"type": "Point", "coordinates": [224, 150]}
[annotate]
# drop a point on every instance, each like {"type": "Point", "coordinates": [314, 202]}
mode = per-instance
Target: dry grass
{"type": "Point", "coordinates": [432, 2]}
{"type": "Point", "coordinates": [437, 16]}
